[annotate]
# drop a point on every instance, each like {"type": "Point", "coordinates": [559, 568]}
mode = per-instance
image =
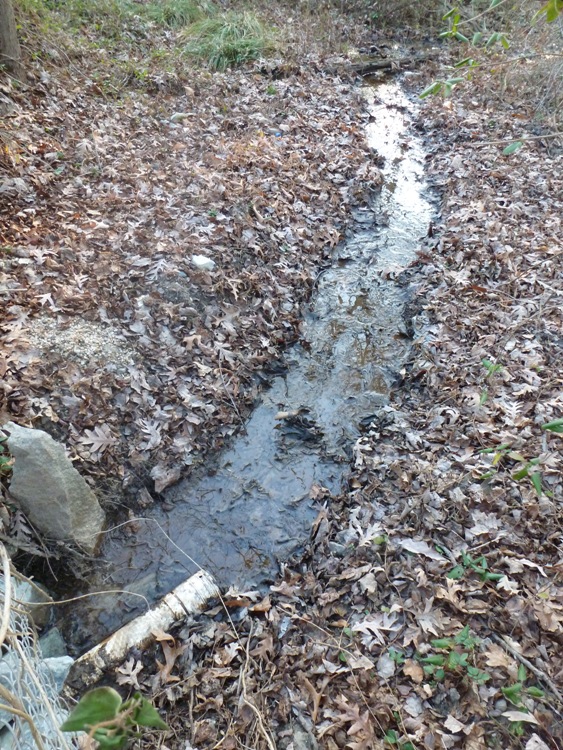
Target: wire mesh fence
{"type": "Point", "coordinates": [31, 710]}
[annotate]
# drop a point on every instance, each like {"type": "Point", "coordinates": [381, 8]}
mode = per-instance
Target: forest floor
{"type": "Point", "coordinates": [427, 610]}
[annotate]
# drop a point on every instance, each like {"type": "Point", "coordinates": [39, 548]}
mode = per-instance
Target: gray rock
{"type": "Point", "coordinates": [56, 499]}
{"type": "Point", "coordinates": [26, 593]}
{"type": "Point", "coordinates": [52, 644]}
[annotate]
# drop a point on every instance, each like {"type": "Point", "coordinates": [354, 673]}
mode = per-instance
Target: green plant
{"type": "Point", "coordinates": [478, 565]}
{"type": "Point", "coordinates": [228, 39]}
{"type": "Point", "coordinates": [110, 721]}
{"type": "Point", "coordinates": [483, 40]}
{"type": "Point", "coordinates": [455, 660]}
{"type": "Point", "coordinates": [528, 468]}
{"type": "Point", "coordinates": [397, 656]}
{"type": "Point", "coordinates": [516, 692]}
{"type": "Point", "coordinates": [177, 13]}
{"type": "Point", "coordinates": [393, 738]}
{"type": "Point", "coordinates": [555, 426]}
{"type": "Point", "coordinates": [492, 370]}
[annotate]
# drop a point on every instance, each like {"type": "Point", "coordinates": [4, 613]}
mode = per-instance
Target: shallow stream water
{"type": "Point", "coordinates": [255, 508]}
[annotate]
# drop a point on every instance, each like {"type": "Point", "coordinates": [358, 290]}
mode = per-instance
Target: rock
{"type": "Point", "coordinates": [203, 263]}
{"type": "Point", "coordinates": [27, 593]}
{"type": "Point", "coordinates": [52, 644]}
{"type": "Point", "coordinates": [179, 116]}
{"type": "Point", "coordinates": [56, 499]}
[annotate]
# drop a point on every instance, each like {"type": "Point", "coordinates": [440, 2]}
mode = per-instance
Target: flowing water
{"type": "Point", "coordinates": [255, 508]}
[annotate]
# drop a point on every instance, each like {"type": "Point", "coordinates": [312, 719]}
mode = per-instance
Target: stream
{"type": "Point", "coordinates": [254, 508]}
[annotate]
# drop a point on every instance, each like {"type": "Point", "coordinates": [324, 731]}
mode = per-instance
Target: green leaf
{"type": "Point", "coordinates": [464, 62]}
{"type": "Point", "coordinates": [434, 88]}
{"type": "Point", "coordinates": [513, 693]}
{"type": "Point", "coordinates": [464, 638]}
{"type": "Point", "coordinates": [478, 676]}
{"type": "Point", "coordinates": [436, 660]}
{"type": "Point", "coordinates": [535, 478]}
{"type": "Point", "coordinates": [449, 14]}
{"type": "Point", "coordinates": [522, 673]}
{"type": "Point", "coordinates": [512, 148]}
{"type": "Point", "coordinates": [477, 38]}
{"type": "Point", "coordinates": [494, 4]}
{"type": "Point", "coordinates": [456, 573]}
{"type": "Point", "coordinates": [391, 737]}
{"type": "Point", "coordinates": [520, 474]}
{"type": "Point", "coordinates": [493, 39]}
{"type": "Point", "coordinates": [442, 642]}
{"type": "Point", "coordinates": [96, 706]}
{"type": "Point", "coordinates": [535, 692]}
{"type": "Point", "coordinates": [552, 10]}
{"type": "Point", "coordinates": [555, 426]}
{"type": "Point", "coordinates": [461, 37]}
{"type": "Point", "coordinates": [456, 660]}
{"type": "Point", "coordinates": [112, 741]}
{"type": "Point", "coordinates": [439, 675]}
{"type": "Point", "coordinates": [146, 715]}
{"type": "Point", "coordinates": [483, 400]}
{"type": "Point", "coordinates": [492, 576]}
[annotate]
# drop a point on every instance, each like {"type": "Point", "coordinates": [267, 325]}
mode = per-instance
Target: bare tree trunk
{"type": "Point", "coordinates": [10, 55]}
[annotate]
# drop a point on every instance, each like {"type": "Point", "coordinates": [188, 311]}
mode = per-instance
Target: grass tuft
{"type": "Point", "coordinates": [228, 40]}
{"type": "Point", "coordinates": [178, 13]}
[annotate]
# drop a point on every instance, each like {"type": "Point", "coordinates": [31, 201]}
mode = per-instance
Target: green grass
{"type": "Point", "coordinates": [228, 40]}
{"type": "Point", "coordinates": [177, 13]}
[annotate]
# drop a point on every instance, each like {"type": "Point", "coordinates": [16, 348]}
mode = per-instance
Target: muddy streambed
{"type": "Point", "coordinates": [256, 505]}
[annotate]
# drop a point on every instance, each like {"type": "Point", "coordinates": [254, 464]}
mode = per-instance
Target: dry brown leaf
{"type": "Point", "coordinates": [413, 669]}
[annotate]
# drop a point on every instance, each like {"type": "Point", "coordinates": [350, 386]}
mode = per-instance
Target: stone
{"type": "Point", "coordinates": [26, 593]}
{"type": "Point", "coordinates": [50, 491]}
{"type": "Point", "coordinates": [52, 644]}
{"type": "Point", "coordinates": [203, 263]}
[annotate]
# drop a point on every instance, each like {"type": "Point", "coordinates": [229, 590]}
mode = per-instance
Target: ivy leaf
{"type": "Point", "coordinates": [96, 706]}
{"type": "Point", "coordinates": [146, 715]}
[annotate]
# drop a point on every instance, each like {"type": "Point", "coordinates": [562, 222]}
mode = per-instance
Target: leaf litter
{"type": "Point", "coordinates": [427, 609]}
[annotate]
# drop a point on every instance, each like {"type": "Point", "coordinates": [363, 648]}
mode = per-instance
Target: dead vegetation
{"type": "Point", "coordinates": [427, 611]}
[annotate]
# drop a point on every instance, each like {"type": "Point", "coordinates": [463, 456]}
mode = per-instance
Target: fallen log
{"type": "Point", "coordinates": [367, 67]}
{"type": "Point", "coordinates": [188, 598]}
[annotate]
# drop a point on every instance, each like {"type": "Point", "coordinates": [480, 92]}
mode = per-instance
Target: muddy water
{"type": "Point", "coordinates": [255, 507]}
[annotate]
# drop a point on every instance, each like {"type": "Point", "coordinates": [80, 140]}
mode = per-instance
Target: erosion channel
{"type": "Point", "coordinates": [255, 506]}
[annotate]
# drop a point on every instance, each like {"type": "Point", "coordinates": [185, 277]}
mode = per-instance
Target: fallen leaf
{"type": "Point", "coordinates": [520, 716]}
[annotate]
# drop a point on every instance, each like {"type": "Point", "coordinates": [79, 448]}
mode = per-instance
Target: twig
{"type": "Point", "coordinates": [484, 13]}
{"type": "Point", "coordinates": [514, 140]}
{"type": "Point", "coordinates": [264, 731]}
{"type": "Point", "coordinates": [231, 399]}
{"type": "Point", "coordinates": [527, 663]}
{"type": "Point", "coordinates": [16, 707]}
{"type": "Point", "coordinates": [7, 594]}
